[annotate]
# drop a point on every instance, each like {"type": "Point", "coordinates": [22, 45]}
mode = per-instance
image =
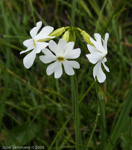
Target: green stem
{"type": "Point", "coordinates": [73, 13]}
{"type": "Point", "coordinates": [101, 103]}
{"type": "Point", "coordinates": [75, 109]}
{"type": "Point", "coordinates": [85, 94]}
{"type": "Point", "coordinates": [75, 88]}
{"type": "Point", "coordinates": [32, 9]}
{"type": "Point", "coordinates": [12, 36]}
{"type": "Point", "coordinates": [78, 29]}
{"type": "Point", "coordinates": [56, 10]}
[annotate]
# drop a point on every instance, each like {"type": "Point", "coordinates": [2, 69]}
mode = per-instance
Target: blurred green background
{"type": "Point", "coordinates": [35, 108]}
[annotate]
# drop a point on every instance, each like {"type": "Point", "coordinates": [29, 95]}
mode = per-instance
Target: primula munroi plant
{"type": "Point", "coordinates": [46, 105]}
{"type": "Point", "coordinates": [63, 55]}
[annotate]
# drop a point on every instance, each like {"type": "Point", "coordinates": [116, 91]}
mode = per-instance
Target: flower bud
{"type": "Point", "coordinates": [66, 36]}
{"type": "Point", "coordinates": [72, 36]}
{"type": "Point", "coordinates": [54, 34]}
{"type": "Point", "coordinates": [86, 37]}
{"type": "Point", "coordinates": [57, 32]}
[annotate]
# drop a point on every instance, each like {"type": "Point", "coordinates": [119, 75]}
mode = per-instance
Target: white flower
{"type": "Point", "coordinates": [98, 56]}
{"type": "Point", "coordinates": [34, 45]}
{"type": "Point", "coordinates": [59, 54]}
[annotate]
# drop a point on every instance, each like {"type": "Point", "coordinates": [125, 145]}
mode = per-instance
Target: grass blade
{"type": "Point", "coordinates": [121, 121]}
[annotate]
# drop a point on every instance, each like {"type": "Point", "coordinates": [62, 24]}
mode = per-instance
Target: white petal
{"type": "Point", "coordinates": [104, 60]}
{"type": "Point", "coordinates": [95, 43]}
{"type": "Point", "coordinates": [75, 64]}
{"type": "Point", "coordinates": [25, 51]}
{"type": "Point", "coordinates": [91, 48]}
{"type": "Point", "coordinates": [48, 57]}
{"type": "Point", "coordinates": [98, 72]}
{"type": "Point", "coordinates": [69, 65]}
{"type": "Point", "coordinates": [29, 43]}
{"type": "Point", "coordinates": [98, 37]}
{"type": "Point", "coordinates": [34, 31]}
{"type": "Point", "coordinates": [98, 45]}
{"type": "Point", "coordinates": [47, 52]}
{"type": "Point", "coordinates": [62, 43]}
{"type": "Point", "coordinates": [69, 46]}
{"type": "Point", "coordinates": [58, 71]}
{"type": "Point", "coordinates": [51, 68]}
{"type": "Point", "coordinates": [73, 54]}
{"type": "Point", "coordinates": [106, 37]}
{"type": "Point", "coordinates": [61, 46]}
{"type": "Point", "coordinates": [94, 57]}
{"type": "Point", "coordinates": [40, 46]}
{"type": "Point", "coordinates": [105, 41]}
{"type": "Point", "coordinates": [29, 59]}
{"type": "Point", "coordinates": [68, 68]}
{"type": "Point", "coordinates": [44, 32]}
{"type": "Point", "coordinates": [53, 46]}
{"type": "Point", "coordinates": [106, 68]}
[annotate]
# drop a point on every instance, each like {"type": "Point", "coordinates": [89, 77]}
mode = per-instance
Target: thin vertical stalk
{"type": "Point", "coordinates": [73, 12]}
{"type": "Point", "coordinates": [56, 10]}
{"type": "Point", "coordinates": [75, 109]}
{"type": "Point", "coordinates": [103, 126]}
{"type": "Point", "coordinates": [101, 104]}
{"type": "Point", "coordinates": [75, 88]}
{"type": "Point", "coordinates": [32, 9]}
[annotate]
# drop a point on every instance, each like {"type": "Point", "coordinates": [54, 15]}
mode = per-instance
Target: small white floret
{"type": "Point", "coordinates": [59, 55]}
{"type": "Point", "coordinates": [97, 56]}
{"type": "Point", "coordinates": [33, 43]}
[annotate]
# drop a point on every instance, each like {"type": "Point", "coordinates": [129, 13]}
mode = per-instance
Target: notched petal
{"type": "Point", "coordinates": [98, 72]}
{"type": "Point", "coordinates": [29, 59]}
{"type": "Point", "coordinates": [91, 48]}
{"type": "Point", "coordinates": [34, 31]}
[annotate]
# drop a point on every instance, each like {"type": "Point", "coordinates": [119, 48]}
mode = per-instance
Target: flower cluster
{"type": "Point", "coordinates": [63, 53]}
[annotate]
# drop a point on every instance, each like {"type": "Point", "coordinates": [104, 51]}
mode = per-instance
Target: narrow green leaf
{"type": "Point", "coordinates": [82, 3]}
{"type": "Point", "coordinates": [121, 121]}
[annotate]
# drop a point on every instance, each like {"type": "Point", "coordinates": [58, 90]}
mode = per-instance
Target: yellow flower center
{"type": "Point", "coordinates": [60, 58]}
{"type": "Point", "coordinates": [34, 42]}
